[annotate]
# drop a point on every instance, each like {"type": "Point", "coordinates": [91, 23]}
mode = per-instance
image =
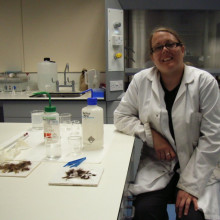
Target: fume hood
{"type": "Point", "coordinates": [198, 22]}
{"type": "Point", "coordinates": [170, 4]}
{"type": "Point", "coordinates": [199, 29]}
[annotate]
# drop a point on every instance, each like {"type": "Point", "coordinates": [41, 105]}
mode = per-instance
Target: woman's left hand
{"type": "Point", "coordinates": [162, 147]}
{"type": "Point", "coordinates": [183, 202]}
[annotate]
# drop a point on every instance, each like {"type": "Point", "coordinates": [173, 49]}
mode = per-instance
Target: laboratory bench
{"type": "Point", "coordinates": [31, 197]}
{"type": "Point", "coordinates": [18, 107]}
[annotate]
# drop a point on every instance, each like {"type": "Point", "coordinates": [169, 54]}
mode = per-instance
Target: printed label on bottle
{"type": "Point", "coordinates": [87, 115]}
{"type": "Point", "coordinates": [46, 134]}
{"type": "Point", "coordinates": [92, 128]}
{"type": "Point", "coordinates": [51, 127]}
{"type": "Point", "coordinates": [91, 139]}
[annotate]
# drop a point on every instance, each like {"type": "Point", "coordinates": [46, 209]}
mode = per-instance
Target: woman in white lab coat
{"type": "Point", "coordinates": [175, 110]}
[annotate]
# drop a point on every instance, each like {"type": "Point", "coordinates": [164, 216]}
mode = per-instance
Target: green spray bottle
{"type": "Point", "coordinates": [51, 119]}
{"type": "Point", "coordinates": [51, 129]}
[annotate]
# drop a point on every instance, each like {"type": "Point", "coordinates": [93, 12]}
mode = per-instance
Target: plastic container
{"type": "Point", "coordinates": [92, 79]}
{"type": "Point", "coordinates": [47, 75]}
{"type": "Point", "coordinates": [98, 93]}
{"type": "Point", "coordinates": [51, 128]}
{"type": "Point", "coordinates": [51, 123]}
{"type": "Point", "coordinates": [92, 125]}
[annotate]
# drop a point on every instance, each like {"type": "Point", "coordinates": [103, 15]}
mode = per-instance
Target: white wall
{"type": "Point", "coordinates": [65, 30]}
{"type": "Point", "coordinates": [11, 49]}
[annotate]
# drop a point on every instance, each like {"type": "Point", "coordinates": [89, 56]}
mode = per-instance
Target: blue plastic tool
{"type": "Point", "coordinates": [75, 163]}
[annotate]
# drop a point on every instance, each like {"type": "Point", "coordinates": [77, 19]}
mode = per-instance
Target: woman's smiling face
{"type": "Point", "coordinates": [167, 60]}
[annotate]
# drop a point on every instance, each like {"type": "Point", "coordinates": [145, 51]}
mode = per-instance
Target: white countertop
{"type": "Point", "coordinates": [31, 198]}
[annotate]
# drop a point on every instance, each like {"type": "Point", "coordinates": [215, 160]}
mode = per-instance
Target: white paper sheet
{"type": "Point", "coordinates": [96, 169]}
{"type": "Point", "coordinates": [33, 165]}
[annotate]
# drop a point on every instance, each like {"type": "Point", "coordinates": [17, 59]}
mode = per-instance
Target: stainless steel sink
{"type": "Point", "coordinates": [58, 95]}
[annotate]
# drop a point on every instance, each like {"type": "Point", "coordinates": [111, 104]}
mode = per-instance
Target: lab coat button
{"type": "Point", "coordinates": [171, 173]}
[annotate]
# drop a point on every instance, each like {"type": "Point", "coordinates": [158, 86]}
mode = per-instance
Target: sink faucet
{"type": "Point", "coordinates": [66, 80]}
{"type": "Point", "coordinates": [65, 71]}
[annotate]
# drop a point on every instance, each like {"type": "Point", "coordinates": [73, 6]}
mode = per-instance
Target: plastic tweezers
{"type": "Point", "coordinates": [75, 163]}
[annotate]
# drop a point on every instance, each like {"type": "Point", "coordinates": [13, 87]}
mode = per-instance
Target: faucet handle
{"type": "Point", "coordinates": [53, 80]}
{"type": "Point", "coordinates": [57, 86]}
{"type": "Point", "coordinates": [73, 86]}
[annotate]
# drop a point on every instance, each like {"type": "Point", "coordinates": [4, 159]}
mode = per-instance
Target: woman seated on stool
{"type": "Point", "coordinates": [175, 109]}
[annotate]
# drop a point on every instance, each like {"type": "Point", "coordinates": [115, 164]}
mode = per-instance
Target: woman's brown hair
{"type": "Point", "coordinates": [164, 29]}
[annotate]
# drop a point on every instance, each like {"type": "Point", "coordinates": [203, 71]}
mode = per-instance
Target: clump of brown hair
{"type": "Point", "coordinates": [16, 168]}
{"type": "Point", "coordinates": [78, 173]}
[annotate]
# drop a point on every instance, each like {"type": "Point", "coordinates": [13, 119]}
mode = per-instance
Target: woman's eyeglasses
{"type": "Point", "coordinates": [169, 46]}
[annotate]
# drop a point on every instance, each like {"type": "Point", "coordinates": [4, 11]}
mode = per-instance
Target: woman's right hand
{"type": "Point", "coordinates": [162, 147]}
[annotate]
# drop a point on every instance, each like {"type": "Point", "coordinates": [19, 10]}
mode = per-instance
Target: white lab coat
{"type": "Point", "coordinates": [196, 123]}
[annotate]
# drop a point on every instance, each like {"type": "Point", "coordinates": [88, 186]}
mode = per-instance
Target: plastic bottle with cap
{"type": "Point", "coordinates": [47, 75]}
{"type": "Point", "coordinates": [51, 119]}
{"type": "Point", "coordinates": [92, 125]}
{"type": "Point", "coordinates": [51, 129]}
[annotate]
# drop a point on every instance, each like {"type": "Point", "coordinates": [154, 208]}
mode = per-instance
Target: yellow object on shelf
{"type": "Point", "coordinates": [118, 55]}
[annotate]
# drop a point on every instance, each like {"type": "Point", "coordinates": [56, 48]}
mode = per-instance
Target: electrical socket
{"type": "Point", "coordinates": [116, 85]}
{"type": "Point", "coordinates": [117, 40]}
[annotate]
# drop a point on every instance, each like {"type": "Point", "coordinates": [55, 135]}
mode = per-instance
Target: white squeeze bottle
{"type": "Point", "coordinates": [92, 125]}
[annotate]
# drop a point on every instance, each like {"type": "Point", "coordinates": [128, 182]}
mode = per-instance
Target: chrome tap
{"type": "Point", "coordinates": [65, 71]}
{"type": "Point", "coordinates": [66, 80]}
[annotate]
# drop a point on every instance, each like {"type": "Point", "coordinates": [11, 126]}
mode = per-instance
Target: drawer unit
{"type": "Point", "coordinates": [127, 210]}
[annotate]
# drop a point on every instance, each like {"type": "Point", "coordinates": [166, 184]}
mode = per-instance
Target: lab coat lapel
{"type": "Point", "coordinates": [164, 119]}
{"type": "Point", "coordinates": [187, 78]}
{"type": "Point", "coordinates": [154, 107]}
{"type": "Point", "coordinates": [180, 117]}
{"type": "Point", "coordinates": [155, 78]}
{"type": "Point", "coordinates": [159, 114]}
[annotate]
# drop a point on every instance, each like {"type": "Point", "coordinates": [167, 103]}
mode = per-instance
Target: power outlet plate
{"type": "Point", "coordinates": [117, 40]}
{"type": "Point", "coordinates": [116, 85]}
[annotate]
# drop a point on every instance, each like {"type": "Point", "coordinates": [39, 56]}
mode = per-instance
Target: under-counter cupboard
{"type": "Point", "coordinates": [18, 109]}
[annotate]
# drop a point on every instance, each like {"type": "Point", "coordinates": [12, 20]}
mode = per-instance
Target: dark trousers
{"type": "Point", "coordinates": [153, 205]}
